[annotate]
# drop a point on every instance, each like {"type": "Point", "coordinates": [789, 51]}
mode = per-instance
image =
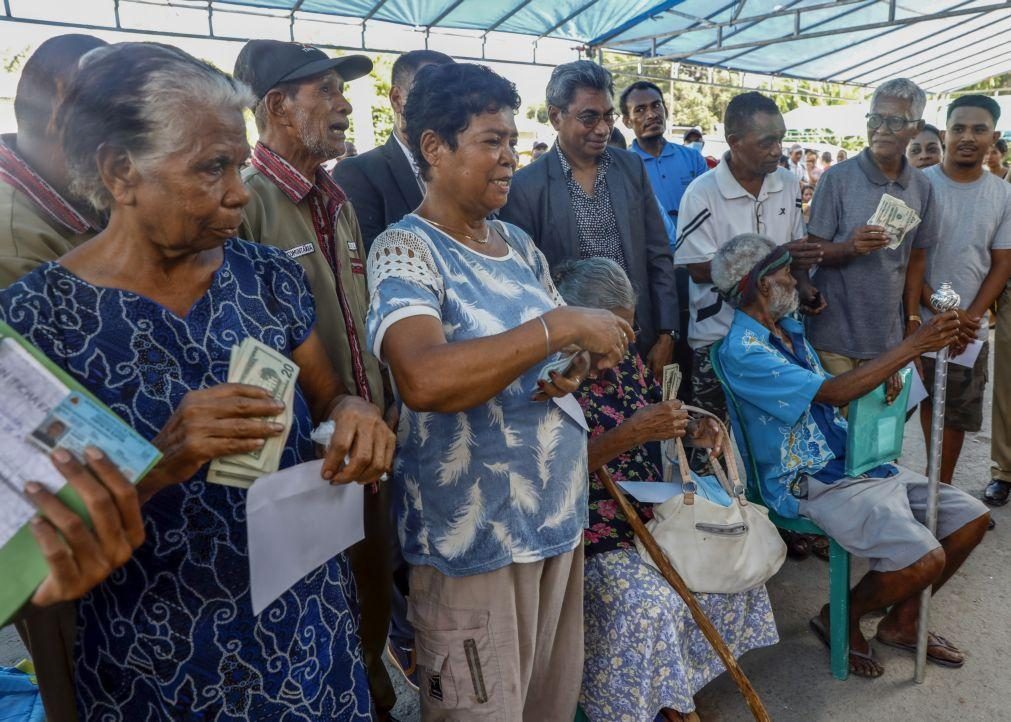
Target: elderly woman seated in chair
{"type": "Point", "coordinates": [788, 408]}
{"type": "Point", "coordinates": [644, 654]}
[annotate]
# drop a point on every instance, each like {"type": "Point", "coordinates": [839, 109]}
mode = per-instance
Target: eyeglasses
{"type": "Point", "coordinates": [592, 120]}
{"type": "Point", "coordinates": [894, 123]}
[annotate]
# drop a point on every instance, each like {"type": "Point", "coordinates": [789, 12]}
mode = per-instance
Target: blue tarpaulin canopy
{"type": "Point", "coordinates": [941, 44]}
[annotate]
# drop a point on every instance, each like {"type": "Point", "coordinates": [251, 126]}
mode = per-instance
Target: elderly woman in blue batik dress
{"type": "Point", "coordinates": [490, 479]}
{"type": "Point", "coordinates": [644, 653]}
{"type": "Point", "coordinates": [144, 315]}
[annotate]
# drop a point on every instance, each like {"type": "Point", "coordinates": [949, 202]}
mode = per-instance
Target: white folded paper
{"type": "Point", "coordinates": [651, 492]}
{"type": "Point", "coordinates": [297, 521]}
{"type": "Point", "coordinates": [917, 391]}
{"type": "Point", "coordinates": [967, 358]}
{"type": "Point", "coordinates": [570, 406]}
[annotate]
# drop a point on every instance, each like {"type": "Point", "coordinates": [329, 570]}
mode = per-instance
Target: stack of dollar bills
{"type": "Point", "coordinates": [897, 218]}
{"type": "Point", "coordinates": [257, 364]}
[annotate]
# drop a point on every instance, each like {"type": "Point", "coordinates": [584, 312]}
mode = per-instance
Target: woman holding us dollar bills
{"type": "Point", "coordinates": [490, 478]}
{"type": "Point", "coordinates": [660, 659]}
{"type": "Point", "coordinates": [146, 315]}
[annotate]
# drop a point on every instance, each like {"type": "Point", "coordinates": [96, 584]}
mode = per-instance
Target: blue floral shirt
{"type": "Point", "coordinates": [775, 393]}
{"type": "Point", "coordinates": [504, 481]}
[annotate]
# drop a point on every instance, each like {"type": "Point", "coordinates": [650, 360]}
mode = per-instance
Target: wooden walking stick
{"type": "Point", "coordinates": [670, 574]}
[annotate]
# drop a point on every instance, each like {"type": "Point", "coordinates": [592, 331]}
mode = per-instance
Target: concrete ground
{"type": "Point", "coordinates": [793, 677]}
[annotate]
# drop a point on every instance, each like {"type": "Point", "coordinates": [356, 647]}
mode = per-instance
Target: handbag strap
{"type": "Point", "coordinates": [687, 482]}
{"type": "Point", "coordinates": [729, 478]}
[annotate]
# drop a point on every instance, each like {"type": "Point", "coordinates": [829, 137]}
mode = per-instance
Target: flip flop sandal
{"type": "Point", "coordinates": [820, 547]}
{"type": "Point", "coordinates": [997, 492]}
{"type": "Point", "coordinates": [821, 633]}
{"type": "Point", "coordinates": [798, 546]}
{"type": "Point", "coordinates": [933, 640]}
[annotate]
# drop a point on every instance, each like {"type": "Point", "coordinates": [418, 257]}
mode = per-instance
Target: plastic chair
{"type": "Point", "coordinates": [838, 559]}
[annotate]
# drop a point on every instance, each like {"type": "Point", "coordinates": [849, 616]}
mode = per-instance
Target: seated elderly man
{"type": "Point", "coordinates": [799, 441]}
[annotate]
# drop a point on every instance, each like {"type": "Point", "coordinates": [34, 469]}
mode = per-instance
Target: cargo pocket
{"type": "Point", "coordinates": [457, 663]}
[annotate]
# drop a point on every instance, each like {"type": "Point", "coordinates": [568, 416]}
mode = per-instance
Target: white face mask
{"type": "Point", "coordinates": [696, 144]}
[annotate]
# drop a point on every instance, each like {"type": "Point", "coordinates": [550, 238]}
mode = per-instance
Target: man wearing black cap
{"type": "Point", "coordinates": [302, 116]}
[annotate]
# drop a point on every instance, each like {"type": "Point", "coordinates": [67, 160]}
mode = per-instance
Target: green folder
{"type": "Point", "coordinates": [876, 428]}
{"type": "Point", "coordinates": [22, 566]}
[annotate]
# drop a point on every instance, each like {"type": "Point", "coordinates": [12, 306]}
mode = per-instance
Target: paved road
{"type": "Point", "coordinates": [793, 677]}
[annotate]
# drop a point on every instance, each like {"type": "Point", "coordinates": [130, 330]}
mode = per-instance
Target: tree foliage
{"type": "Point", "coordinates": [13, 60]}
{"type": "Point", "coordinates": [698, 95]}
{"type": "Point", "coordinates": [382, 113]}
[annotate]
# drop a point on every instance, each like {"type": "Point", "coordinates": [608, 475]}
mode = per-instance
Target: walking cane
{"type": "Point", "coordinates": [667, 570]}
{"type": "Point", "coordinates": [944, 299]}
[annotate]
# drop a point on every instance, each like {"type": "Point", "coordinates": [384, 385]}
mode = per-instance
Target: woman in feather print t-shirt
{"type": "Point", "coordinates": [490, 478]}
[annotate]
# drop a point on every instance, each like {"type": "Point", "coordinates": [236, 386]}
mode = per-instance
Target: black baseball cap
{"type": "Point", "coordinates": [263, 64]}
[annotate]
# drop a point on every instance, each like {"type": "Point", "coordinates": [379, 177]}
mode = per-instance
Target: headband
{"type": "Point", "coordinates": [745, 291]}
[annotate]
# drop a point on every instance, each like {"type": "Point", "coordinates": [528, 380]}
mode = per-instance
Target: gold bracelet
{"type": "Point", "coordinates": [913, 317]}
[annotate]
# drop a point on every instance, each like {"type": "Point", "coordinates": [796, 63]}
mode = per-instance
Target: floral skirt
{"type": "Point", "coordinates": [644, 651]}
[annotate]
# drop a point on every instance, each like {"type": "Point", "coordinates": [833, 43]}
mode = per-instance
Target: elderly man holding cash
{"type": "Point", "coordinates": [874, 218]}
{"type": "Point", "coordinates": [146, 316]}
{"type": "Point", "coordinates": [302, 115]}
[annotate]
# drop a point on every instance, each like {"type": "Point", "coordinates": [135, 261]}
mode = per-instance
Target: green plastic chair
{"type": "Point", "coordinates": [838, 558]}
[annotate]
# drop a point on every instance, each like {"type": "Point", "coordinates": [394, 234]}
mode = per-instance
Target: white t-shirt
{"type": "Point", "coordinates": [714, 209]}
{"type": "Point", "coordinates": [975, 219]}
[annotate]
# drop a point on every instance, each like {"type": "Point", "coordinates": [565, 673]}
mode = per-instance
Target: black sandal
{"type": "Point", "coordinates": [997, 492]}
{"type": "Point", "coordinates": [798, 546]}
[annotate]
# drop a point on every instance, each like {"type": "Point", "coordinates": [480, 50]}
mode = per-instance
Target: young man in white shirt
{"type": "Point", "coordinates": [746, 193]}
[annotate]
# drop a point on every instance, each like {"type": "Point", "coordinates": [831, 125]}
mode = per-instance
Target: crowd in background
{"type": "Point", "coordinates": [484, 338]}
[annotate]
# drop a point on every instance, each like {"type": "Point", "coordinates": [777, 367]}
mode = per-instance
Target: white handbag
{"type": "Point", "coordinates": [721, 549]}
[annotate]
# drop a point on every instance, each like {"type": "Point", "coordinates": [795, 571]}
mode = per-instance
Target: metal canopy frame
{"type": "Point", "coordinates": [820, 20]}
{"type": "Point", "coordinates": [736, 35]}
{"type": "Point", "coordinates": [295, 14]}
{"type": "Point", "coordinates": [721, 47]}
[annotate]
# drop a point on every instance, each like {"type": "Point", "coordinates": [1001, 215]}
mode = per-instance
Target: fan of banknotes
{"type": "Point", "coordinates": [896, 218]}
{"type": "Point", "coordinates": [257, 364]}
{"type": "Point", "coordinates": [671, 384]}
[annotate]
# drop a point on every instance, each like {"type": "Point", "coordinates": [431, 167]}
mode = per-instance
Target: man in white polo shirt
{"type": "Point", "coordinates": [747, 193]}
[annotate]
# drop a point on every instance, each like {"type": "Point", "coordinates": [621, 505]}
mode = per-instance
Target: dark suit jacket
{"type": "Point", "coordinates": [381, 186]}
{"type": "Point", "coordinates": [539, 203]}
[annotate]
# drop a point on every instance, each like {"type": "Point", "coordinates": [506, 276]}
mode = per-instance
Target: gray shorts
{"type": "Point", "coordinates": [883, 520]}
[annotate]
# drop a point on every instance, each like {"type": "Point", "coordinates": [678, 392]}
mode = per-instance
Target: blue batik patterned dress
{"type": "Point", "coordinates": [171, 635]}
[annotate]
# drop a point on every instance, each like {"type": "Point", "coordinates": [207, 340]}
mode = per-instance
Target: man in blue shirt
{"type": "Point", "coordinates": [787, 406]}
{"type": "Point", "coordinates": [670, 167]}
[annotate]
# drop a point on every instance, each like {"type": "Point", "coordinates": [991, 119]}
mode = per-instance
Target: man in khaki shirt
{"type": "Point", "coordinates": [39, 224]}
{"type": "Point", "coordinates": [302, 115]}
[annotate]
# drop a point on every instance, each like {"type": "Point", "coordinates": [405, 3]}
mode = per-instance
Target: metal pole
{"type": "Point", "coordinates": [944, 299]}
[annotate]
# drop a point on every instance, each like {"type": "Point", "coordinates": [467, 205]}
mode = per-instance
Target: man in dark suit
{"type": "Point", "coordinates": [384, 184]}
{"type": "Point", "coordinates": [583, 199]}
